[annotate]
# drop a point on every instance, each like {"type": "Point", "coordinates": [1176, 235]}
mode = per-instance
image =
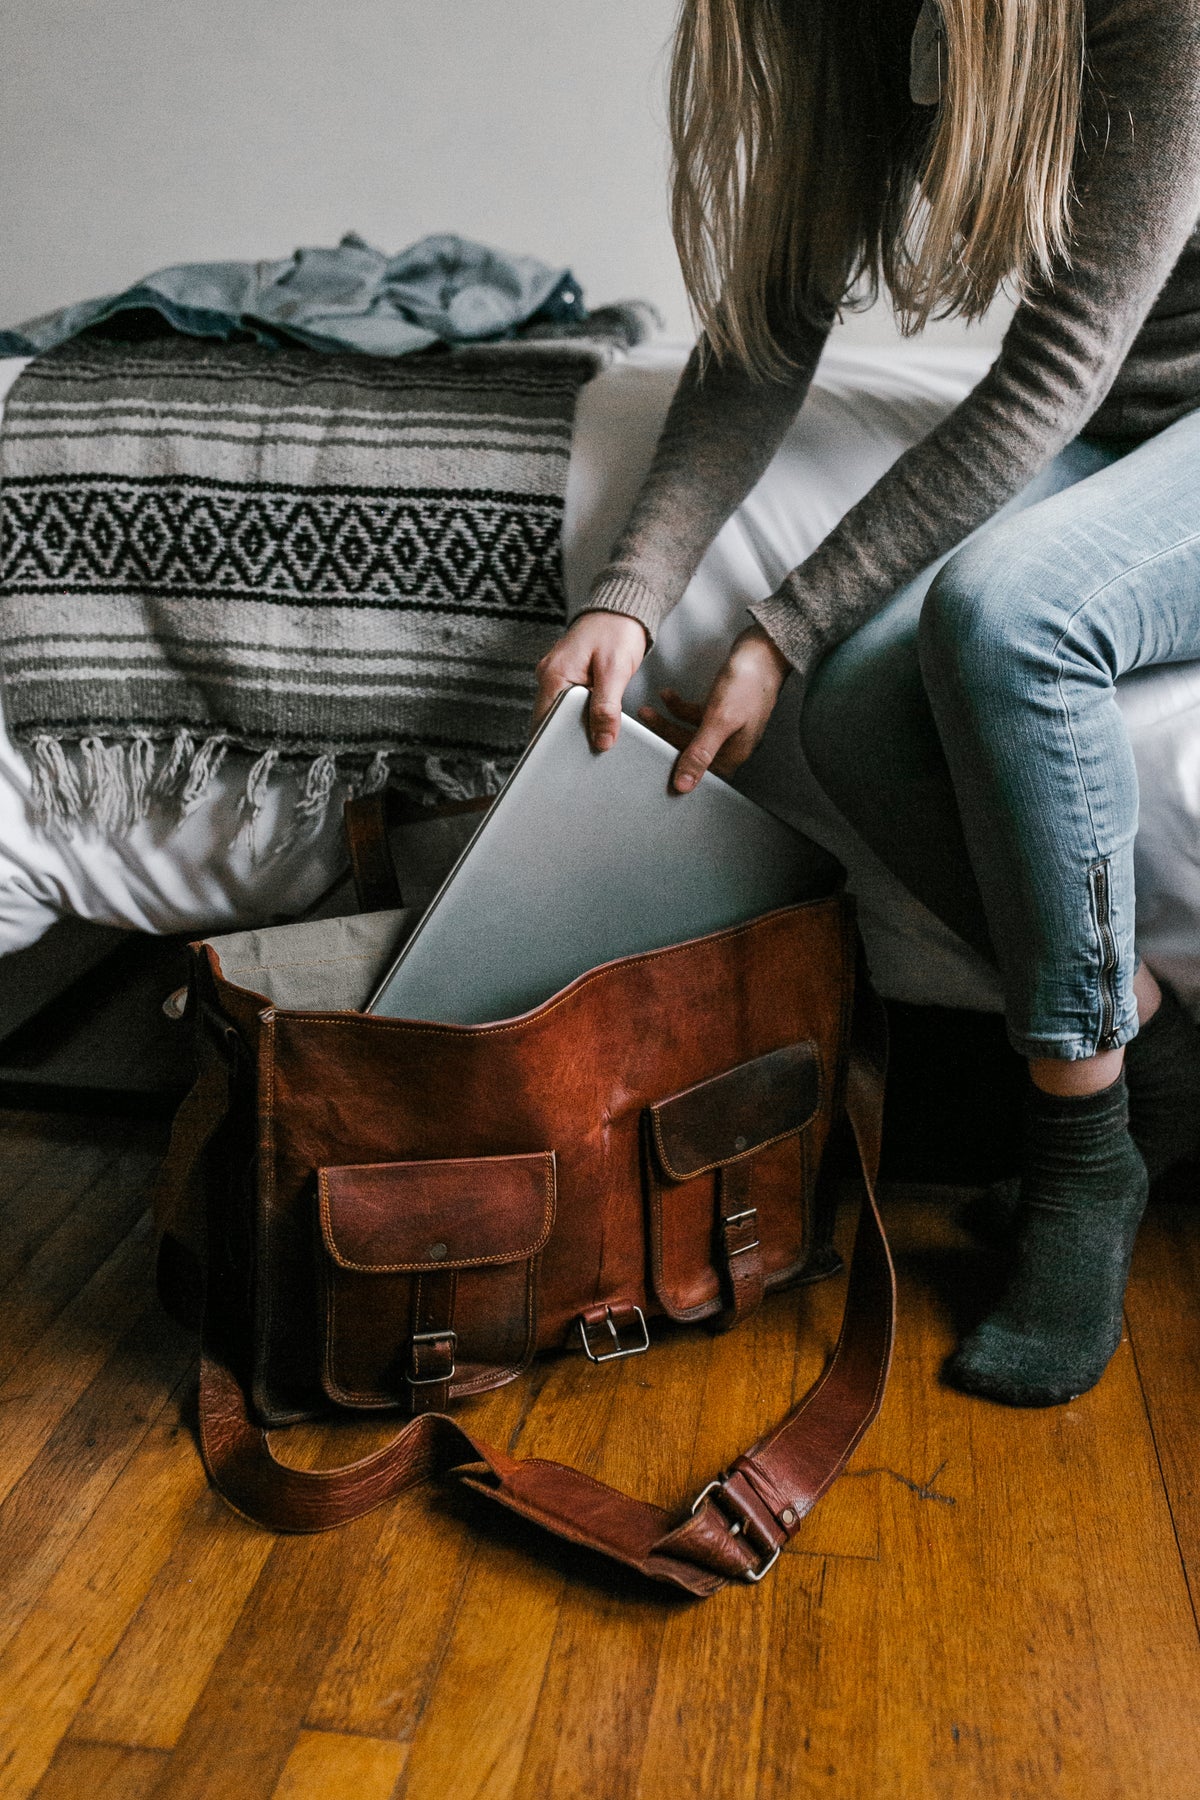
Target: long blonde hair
{"type": "Point", "coordinates": [804, 177]}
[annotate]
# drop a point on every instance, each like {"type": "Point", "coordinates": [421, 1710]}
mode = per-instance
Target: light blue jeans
{"type": "Point", "coordinates": [970, 731]}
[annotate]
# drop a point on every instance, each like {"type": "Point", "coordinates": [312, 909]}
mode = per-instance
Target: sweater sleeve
{"type": "Point", "coordinates": [721, 431]}
{"type": "Point", "coordinates": [1137, 196]}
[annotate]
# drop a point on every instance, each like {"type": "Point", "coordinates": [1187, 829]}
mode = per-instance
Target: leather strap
{"type": "Point", "coordinates": [367, 820]}
{"type": "Point", "coordinates": [738, 1242]}
{"type": "Point", "coordinates": [737, 1525]}
{"type": "Point", "coordinates": [431, 1369]}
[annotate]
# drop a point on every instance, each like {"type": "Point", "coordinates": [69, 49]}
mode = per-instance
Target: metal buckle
{"type": "Point", "coordinates": [739, 1218]}
{"type": "Point", "coordinates": [433, 1337]}
{"type": "Point", "coordinates": [621, 1349]}
{"type": "Point", "coordinates": [735, 1530]}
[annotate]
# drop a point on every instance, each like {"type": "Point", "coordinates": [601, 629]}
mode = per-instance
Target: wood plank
{"type": "Point", "coordinates": [1163, 1310]}
{"type": "Point", "coordinates": [744, 1384]}
{"type": "Point", "coordinates": [108, 1206]}
{"type": "Point", "coordinates": [325, 1764]}
{"type": "Point", "coordinates": [101, 1772]}
{"type": "Point", "coordinates": [47, 1164]}
{"type": "Point", "coordinates": [57, 1367]}
{"type": "Point", "coordinates": [32, 1143]}
{"type": "Point", "coordinates": [751, 1643]}
{"type": "Point", "coordinates": [988, 1602]}
{"type": "Point", "coordinates": [55, 1499]}
{"type": "Point", "coordinates": [378, 1678]}
{"type": "Point", "coordinates": [589, 1727]}
{"type": "Point", "coordinates": [471, 1736]}
{"type": "Point", "coordinates": [245, 1724]}
{"type": "Point", "coordinates": [384, 1661]}
{"type": "Point", "coordinates": [721, 1648]}
{"type": "Point", "coordinates": [164, 1660]}
{"type": "Point", "coordinates": [499, 1645]}
{"type": "Point", "coordinates": [52, 1662]}
{"type": "Point", "coordinates": [41, 1192]}
{"type": "Point", "coordinates": [1003, 1644]}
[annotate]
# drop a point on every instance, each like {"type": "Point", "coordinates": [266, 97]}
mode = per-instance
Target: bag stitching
{"type": "Point", "coordinates": [742, 1155]}
{"type": "Point", "coordinates": [343, 1020]}
{"type": "Point", "coordinates": [498, 1376]}
{"type": "Point", "coordinates": [474, 1262]}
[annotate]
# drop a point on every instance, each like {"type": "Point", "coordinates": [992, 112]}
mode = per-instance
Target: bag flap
{"type": "Point", "coordinates": [735, 1114]}
{"type": "Point", "coordinates": [396, 1218]}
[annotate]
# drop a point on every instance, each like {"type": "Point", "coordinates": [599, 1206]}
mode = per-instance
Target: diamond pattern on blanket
{"type": "Point", "coordinates": [499, 552]}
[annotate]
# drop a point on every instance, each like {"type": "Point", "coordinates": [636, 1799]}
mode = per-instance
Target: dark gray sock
{"type": "Point", "coordinates": [1083, 1192]}
{"type": "Point", "coordinates": [1162, 1075]}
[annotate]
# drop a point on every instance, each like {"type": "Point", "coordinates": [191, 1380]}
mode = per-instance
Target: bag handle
{"type": "Point", "coordinates": [367, 820]}
{"type": "Point", "coordinates": [738, 1524]}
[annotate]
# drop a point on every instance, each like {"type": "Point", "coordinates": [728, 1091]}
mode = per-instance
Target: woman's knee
{"type": "Point", "coordinates": [988, 618]}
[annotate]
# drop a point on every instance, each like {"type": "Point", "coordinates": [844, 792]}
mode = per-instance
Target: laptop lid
{"type": "Point", "coordinates": [583, 858]}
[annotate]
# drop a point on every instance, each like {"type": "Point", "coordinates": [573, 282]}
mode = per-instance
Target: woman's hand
{"type": "Point", "coordinates": [721, 734]}
{"type": "Point", "coordinates": [600, 651]}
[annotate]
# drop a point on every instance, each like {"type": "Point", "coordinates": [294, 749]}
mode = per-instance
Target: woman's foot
{"type": "Point", "coordinates": [1083, 1192]}
{"type": "Point", "coordinates": [1162, 1075]}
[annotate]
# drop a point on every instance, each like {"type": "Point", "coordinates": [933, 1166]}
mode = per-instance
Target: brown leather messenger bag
{"type": "Point", "coordinates": [392, 1214]}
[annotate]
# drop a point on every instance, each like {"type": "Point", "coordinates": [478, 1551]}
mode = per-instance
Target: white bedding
{"type": "Point", "coordinates": [865, 407]}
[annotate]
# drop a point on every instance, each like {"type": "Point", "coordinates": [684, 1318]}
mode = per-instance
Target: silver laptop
{"type": "Point", "coordinates": [583, 858]}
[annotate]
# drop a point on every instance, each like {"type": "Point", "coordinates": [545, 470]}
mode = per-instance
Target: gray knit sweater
{"type": "Point", "coordinates": [1110, 347]}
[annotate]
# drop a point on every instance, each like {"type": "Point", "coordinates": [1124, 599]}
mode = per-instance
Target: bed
{"type": "Point", "coordinates": [865, 407]}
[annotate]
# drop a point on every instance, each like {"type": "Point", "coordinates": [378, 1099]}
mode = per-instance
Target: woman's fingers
{"type": "Point", "coordinates": [553, 675]}
{"type": "Point", "coordinates": [733, 752]}
{"type": "Point", "coordinates": [599, 651]}
{"type": "Point", "coordinates": [608, 686]}
{"type": "Point", "coordinates": [678, 735]}
{"type": "Point", "coordinates": [698, 756]}
{"type": "Point", "coordinates": [739, 706]}
{"type": "Point", "coordinates": [690, 711]}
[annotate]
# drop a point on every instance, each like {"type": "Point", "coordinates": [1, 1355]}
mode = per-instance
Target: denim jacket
{"type": "Point", "coordinates": [444, 289]}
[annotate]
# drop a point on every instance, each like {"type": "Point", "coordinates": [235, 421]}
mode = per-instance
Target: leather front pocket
{"type": "Point", "coordinates": [411, 1250]}
{"type": "Point", "coordinates": [744, 1129]}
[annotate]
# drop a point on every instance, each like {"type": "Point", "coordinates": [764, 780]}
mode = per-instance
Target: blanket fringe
{"type": "Point", "coordinates": [254, 796]}
{"type": "Point", "coordinates": [203, 768]}
{"type": "Point", "coordinates": [106, 796]}
{"type": "Point", "coordinates": [313, 804]}
{"type": "Point", "coordinates": [377, 774]}
{"type": "Point", "coordinates": [110, 787]}
{"type": "Point", "coordinates": [455, 784]}
{"type": "Point", "coordinates": [140, 757]}
{"type": "Point", "coordinates": [173, 773]}
{"type": "Point", "coordinates": [56, 800]}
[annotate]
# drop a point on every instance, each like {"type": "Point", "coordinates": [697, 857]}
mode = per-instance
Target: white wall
{"type": "Point", "coordinates": [137, 133]}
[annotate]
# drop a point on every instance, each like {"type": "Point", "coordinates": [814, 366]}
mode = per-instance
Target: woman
{"type": "Point", "coordinates": [962, 715]}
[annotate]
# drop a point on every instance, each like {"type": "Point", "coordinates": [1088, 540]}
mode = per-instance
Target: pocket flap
{"type": "Point", "coordinates": [735, 1114]}
{"type": "Point", "coordinates": [461, 1213]}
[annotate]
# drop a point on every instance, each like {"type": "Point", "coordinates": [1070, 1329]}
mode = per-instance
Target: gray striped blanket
{"type": "Point", "coordinates": [342, 563]}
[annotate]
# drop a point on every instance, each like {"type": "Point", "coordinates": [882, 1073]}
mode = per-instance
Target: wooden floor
{"type": "Point", "coordinates": [988, 1604]}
